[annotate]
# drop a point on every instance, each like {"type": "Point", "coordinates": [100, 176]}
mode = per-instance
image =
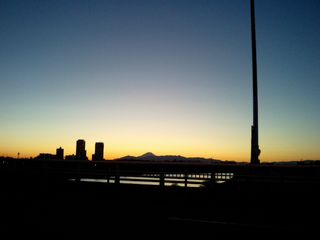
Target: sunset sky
{"type": "Point", "coordinates": [172, 77]}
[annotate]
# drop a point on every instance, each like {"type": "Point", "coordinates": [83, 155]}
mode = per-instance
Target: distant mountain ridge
{"type": "Point", "coordinates": [149, 156]}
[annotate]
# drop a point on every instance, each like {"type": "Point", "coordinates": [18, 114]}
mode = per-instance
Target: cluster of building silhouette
{"type": "Point", "coordinates": [81, 153]}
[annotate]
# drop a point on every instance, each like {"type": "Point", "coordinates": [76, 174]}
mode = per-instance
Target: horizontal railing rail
{"type": "Point", "coordinates": [163, 173]}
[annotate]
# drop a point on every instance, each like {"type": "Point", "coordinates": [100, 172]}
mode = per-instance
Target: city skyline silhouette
{"type": "Point", "coordinates": [80, 153]}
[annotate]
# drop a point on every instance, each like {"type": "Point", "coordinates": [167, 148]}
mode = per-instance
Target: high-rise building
{"type": "Point", "coordinates": [98, 154]}
{"type": "Point", "coordinates": [59, 153]}
{"type": "Point", "coordinates": [81, 153]}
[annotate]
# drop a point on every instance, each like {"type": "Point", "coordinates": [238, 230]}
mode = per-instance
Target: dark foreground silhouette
{"type": "Point", "coordinates": [42, 203]}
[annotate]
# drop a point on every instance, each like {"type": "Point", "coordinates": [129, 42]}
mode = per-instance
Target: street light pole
{"type": "Point", "coordinates": [255, 151]}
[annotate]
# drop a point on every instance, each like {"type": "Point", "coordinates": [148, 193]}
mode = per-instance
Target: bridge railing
{"type": "Point", "coordinates": [161, 173]}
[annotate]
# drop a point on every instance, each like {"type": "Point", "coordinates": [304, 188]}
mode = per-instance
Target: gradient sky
{"type": "Point", "coordinates": [166, 76]}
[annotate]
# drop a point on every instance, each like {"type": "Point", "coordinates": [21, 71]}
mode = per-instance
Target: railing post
{"type": "Point", "coordinates": [117, 176]}
{"type": "Point", "coordinates": [162, 180]}
{"type": "Point", "coordinates": [213, 178]}
{"type": "Point", "coordinates": [186, 179]}
{"type": "Point", "coordinates": [108, 178]}
{"type": "Point", "coordinates": [78, 173]}
{"type": "Point", "coordinates": [117, 179]}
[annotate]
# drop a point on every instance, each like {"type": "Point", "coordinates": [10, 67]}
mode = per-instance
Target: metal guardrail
{"type": "Point", "coordinates": [161, 173]}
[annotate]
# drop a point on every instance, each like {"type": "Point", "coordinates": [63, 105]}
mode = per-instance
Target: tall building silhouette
{"type": "Point", "coordinates": [59, 153]}
{"type": "Point", "coordinates": [81, 153]}
{"type": "Point", "coordinates": [98, 153]}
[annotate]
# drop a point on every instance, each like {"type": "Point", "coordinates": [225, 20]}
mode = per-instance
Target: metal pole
{"type": "Point", "coordinates": [255, 151]}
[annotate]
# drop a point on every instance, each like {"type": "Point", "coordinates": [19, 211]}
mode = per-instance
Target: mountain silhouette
{"type": "Point", "coordinates": [149, 156]}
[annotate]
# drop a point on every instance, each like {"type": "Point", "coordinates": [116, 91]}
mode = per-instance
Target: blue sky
{"type": "Point", "coordinates": [171, 77]}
